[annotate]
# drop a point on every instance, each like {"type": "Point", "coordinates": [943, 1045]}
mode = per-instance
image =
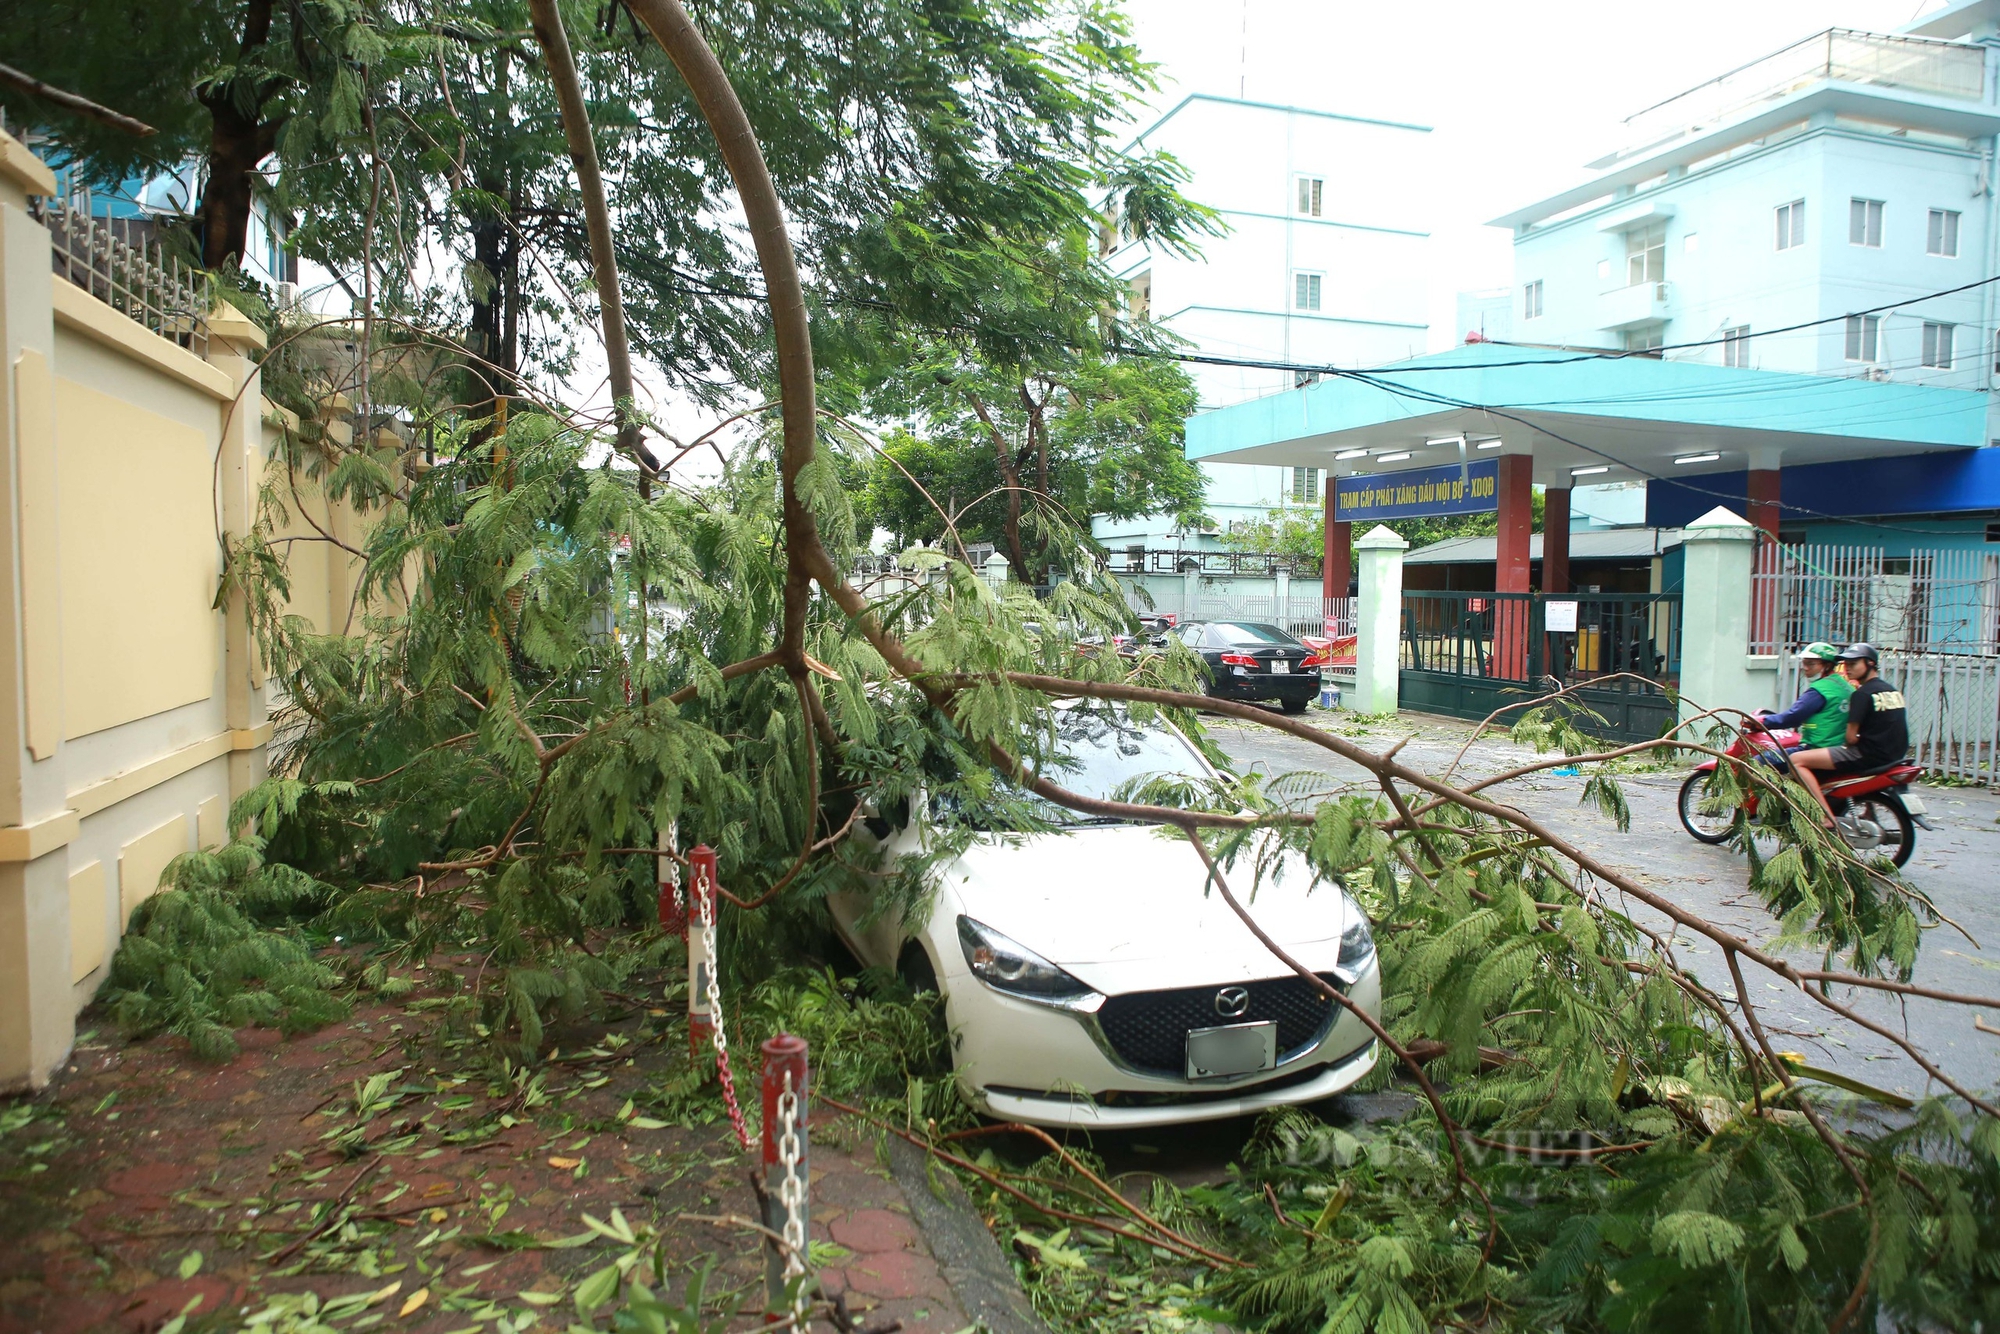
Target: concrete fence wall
{"type": "Point", "coordinates": [132, 710]}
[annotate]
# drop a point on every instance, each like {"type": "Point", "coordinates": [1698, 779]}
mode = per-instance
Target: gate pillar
{"type": "Point", "coordinates": [1720, 547]}
{"type": "Point", "coordinates": [1378, 621]}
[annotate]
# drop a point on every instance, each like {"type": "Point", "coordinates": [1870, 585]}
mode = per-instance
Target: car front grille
{"type": "Point", "coordinates": [1148, 1029]}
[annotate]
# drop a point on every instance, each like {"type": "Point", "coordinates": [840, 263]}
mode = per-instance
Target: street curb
{"type": "Point", "coordinates": [966, 1253]}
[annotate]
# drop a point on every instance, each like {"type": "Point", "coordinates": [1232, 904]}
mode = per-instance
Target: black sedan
{"type": "Point", "coordinates": [1250, 660]}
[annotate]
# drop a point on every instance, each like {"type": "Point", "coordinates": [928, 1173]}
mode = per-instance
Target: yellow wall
{"type": "Point", "coordinates": [87, 935]}
{"type": "Point", "coordinates": [139, 560]}
{"type": "Point", "coordinates": [141, 861]}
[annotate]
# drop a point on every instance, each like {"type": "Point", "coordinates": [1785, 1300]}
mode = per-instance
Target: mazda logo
{"type": "Point", "coordinates": [1232, 1002]}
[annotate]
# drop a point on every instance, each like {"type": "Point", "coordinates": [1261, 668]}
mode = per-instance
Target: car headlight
{"type": "Point", "coordinates": [1357, 947]}
{"type": "Point", "coordinates": [1006, 965]}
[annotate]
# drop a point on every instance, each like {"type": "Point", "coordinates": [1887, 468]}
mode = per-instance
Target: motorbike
{"type": "Point", "coordinates": [1873, 813]}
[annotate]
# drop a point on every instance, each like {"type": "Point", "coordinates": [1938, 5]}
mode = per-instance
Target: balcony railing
{"type": "Point", "coordinates": [1913, 64]}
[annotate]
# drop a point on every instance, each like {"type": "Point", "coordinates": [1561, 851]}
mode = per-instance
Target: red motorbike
{"type": "Point", "coordinates": [1873, 812]}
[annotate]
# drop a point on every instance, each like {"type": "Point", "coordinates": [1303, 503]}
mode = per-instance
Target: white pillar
{"type": "Point", "coordinates": [1190, 590]}
{"type": "Point", "coordinates": [1281, 604]}
{"type": "Point", "coordinates": [1378, 621]}
{"type": "Point", "coordinates": [1719, 549]}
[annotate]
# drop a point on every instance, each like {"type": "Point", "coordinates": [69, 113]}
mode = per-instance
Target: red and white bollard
{"type": "Point", "coordinates": [700, 949]}
{"type": "Point", "coordinates": [673, 903]}
{"type": "Point", "coordinates": [786, 1175]}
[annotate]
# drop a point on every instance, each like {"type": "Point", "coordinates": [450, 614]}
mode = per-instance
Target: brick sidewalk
{"type": "Point", "coordinates": [139, 1157]}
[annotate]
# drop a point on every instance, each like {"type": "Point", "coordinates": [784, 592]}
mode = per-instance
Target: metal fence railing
{"type": "Point", "coordinates": [119, 261]}
{"type": "Point", "coordinates": [1933, 601]}
{"type": "Point", "coordinates": [1951, 70]}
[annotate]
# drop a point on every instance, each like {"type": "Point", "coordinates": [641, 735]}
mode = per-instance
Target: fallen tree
{"type": "Point", "coordinates": [494, 762]}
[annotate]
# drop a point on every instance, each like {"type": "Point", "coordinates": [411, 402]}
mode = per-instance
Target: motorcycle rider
{"type": "Point", "coordinates": [1878, 732]}
{"type": "Point", "coordinates": [1820, 712]}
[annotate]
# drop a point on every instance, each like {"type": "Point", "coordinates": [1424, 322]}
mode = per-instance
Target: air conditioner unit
{"type": "Point", "coordinates": [288, 294]}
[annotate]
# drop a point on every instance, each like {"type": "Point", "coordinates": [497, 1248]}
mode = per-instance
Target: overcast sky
{"type": "Point", "coordinates": [1519, 94]}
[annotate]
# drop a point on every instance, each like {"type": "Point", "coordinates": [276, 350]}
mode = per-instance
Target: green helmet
{"type": "Point", "coordinates": [1820, 649]}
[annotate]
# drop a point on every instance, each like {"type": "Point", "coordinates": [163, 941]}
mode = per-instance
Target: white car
{"type": "Point", "coordinates": [1091, 979]}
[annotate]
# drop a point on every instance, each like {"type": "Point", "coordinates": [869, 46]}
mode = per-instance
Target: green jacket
{"type": "Point", "coordinates": [1828, 727]}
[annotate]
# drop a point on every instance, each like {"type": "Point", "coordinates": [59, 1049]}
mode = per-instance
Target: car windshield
{"type": "Point", "coordinates": [1249, 632]}
{"type": "Point", "coordinates": [1104, 750]}
{"type": "Point", "coordinates": [1104, 753]}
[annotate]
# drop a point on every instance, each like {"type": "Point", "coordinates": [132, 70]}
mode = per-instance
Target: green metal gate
{"type": "Point", "coordinates": [1467, 654]}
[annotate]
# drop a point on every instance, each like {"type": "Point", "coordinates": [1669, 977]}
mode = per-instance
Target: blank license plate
{"type": "Point", "coordinates": [1237, 1049]}
{"type": "Point", "coordinates": [1281, 668]}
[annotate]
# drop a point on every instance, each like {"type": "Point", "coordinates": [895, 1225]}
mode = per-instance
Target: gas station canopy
{"type": "Point", "coordinates": [1586, 417]}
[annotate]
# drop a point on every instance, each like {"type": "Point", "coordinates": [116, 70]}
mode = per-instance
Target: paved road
{"type": "Point", "coordinates": [1958, 866]}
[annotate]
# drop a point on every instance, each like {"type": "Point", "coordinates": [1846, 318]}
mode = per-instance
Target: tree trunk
{"type": "Point", "coordinates": [485, 337]}
{"type": "Point", "coordinates": [238, 140]}
{"type": "Point", "coordinates": [1010, 478]}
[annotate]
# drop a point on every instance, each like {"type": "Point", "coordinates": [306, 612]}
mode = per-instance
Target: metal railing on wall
{"type": "Point", "coordinates": [121, 262]}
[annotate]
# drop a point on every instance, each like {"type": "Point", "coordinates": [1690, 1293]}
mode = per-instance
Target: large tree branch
{"type": "Point", "coordinates": [68, 101]}
{"type": "Point", "coordinates": [561, 64]}
{"type": "Point", "coordinates": [678, 37]}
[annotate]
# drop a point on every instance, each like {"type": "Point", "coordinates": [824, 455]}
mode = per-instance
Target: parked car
{"type": "Point", "coordinates": [1091, 978]}
{"type": "Point", "coordinates": [1253, 661]}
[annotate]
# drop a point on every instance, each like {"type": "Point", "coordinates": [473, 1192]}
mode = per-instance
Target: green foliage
{"type": "Point", "coordinates": [215, 952]}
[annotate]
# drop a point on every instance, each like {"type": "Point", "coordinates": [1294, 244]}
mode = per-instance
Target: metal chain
{"type": "Point", "coordinates": [792, 1192]}
{"type": "Point", "coordinates": [722, 1070]}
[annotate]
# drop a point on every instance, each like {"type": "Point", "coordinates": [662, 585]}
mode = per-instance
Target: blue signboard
{"type": "Point", "coordinates": [1472, 488]}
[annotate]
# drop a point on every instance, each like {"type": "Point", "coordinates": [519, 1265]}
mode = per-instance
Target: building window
{"type": "Point", "coordinates": [1135, 557]}
{"type": "Point", "coordinates": [1942, 237]}
{"type": "Point", "coordinates": [1736, 346]}
{"type": "Point", "coordinates": [1864, 222]}
{"type": "Point", "coordinates": [1792, 225]}
{"type": "Point", "coordinates": [1531, 300]}
{"type": "Point", "coordinates": [1937, 345]}
{"type": "Point", "coordinates": [1142, 297]}
{"type": "Point", "coordinates": [1305, 291]}
{"type": "Point", "coordinates": [1646, 255]}
{"type": "Point", "coordinates": [1305, 485]}
{"type": "Point", "coordinates": [1312, 195]}
{"type": "Point", "coordinates": [1645, 340]}
{"type": "Point", "coordinates": [1863, 331]}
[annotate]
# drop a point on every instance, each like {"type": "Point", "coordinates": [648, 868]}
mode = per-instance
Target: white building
{"type": "Point", "coordinates": [1840, 179]}
{"type": "Point", "coordinates": [1323, 264]}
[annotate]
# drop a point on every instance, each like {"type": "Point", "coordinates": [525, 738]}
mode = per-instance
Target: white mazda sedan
{"type": "Point", "coordinates": [1090, 977]}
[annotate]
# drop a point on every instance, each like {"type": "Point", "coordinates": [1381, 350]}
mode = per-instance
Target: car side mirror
{"type": "Point", "coordinates": [881, 822]}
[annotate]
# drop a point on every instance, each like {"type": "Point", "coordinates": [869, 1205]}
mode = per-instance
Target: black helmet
{"type": "Point", "coordinates": [1859, 652]}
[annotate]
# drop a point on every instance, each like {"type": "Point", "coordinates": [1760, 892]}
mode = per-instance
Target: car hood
{"type": "Point", "coordinates": [1095, 899]}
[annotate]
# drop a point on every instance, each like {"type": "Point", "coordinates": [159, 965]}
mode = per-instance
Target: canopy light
{"type": "Point", "coordinates": [1393, 458]}
{"type": "Point", "coordinates": [1457, 440]}
{"type": "Point", "coordinates": [1346, 454]}
{"type": "Point", "coordinates": [1697, 458]}
{"type": "Point", "coordinates": [1591, 471]}
{"type": "Point", "coordinates": [1494, 443]}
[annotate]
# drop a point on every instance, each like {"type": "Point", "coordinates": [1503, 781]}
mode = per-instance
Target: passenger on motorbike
{"type": "Point", "coordinates": [1878, 732]}
{"type": "Point", "coordinates": [1820, 711]}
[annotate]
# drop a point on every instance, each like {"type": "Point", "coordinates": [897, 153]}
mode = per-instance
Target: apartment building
{"type": "Point", "coordinates": [1322, 264]}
